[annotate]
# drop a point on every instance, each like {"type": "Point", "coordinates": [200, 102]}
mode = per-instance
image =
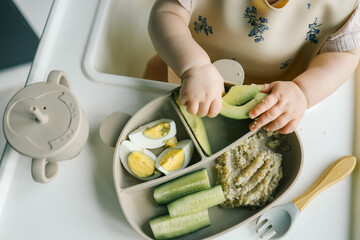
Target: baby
{"type": "Point", "coordinates": [298, 51]}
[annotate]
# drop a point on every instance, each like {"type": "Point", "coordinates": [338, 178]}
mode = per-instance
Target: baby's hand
{"type": "Point", "coordinates": [201, 90]}
{"type": "Point", "coordinates": [281, 110]}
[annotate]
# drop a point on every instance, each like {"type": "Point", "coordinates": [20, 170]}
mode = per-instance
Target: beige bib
{"type": "Point", "coordinates": [270, 43]}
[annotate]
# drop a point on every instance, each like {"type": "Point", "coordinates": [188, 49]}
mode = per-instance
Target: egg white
{"type": "Point", "coordinates": [127, 147]}
{"type": "Point", "coordinates": [188, 148]}
{"type": "Point", "coordinates": [138, 138]}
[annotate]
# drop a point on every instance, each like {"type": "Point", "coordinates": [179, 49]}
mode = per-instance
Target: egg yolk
{"type": "Point", "coordinates": [141, 164]}
{"type": "Point", "coordinates": [158, 131]}
{"type": "Point", "coordinates": [173, 160]}
{"type": "Point", "coordinates": [171, 142]}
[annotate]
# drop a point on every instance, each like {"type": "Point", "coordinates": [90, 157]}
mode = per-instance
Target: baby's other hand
{"type": "Point", "coordinates": [281, 110]}
{"type": "Point", "coordinates": [201, 90]}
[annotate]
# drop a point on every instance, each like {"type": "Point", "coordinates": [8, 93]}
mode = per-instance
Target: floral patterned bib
{"type": "Point", "coordinates": [270, 43]}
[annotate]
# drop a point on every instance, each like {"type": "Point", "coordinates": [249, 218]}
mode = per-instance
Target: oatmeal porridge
{"type": "Point", "coordinates": [248, 174]}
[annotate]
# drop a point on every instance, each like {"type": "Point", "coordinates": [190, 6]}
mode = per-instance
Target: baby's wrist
{"type": "Point", "coordinates": [193, 68]}
{"type": "Point", "coordinates": [300, 88]}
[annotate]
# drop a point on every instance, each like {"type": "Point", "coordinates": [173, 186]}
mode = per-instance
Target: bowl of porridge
{"type": "Point", "coordinates": [254, 169]}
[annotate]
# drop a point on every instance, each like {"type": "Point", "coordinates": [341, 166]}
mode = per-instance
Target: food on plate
{"type": "Point", "coordinates": [188, 198]}
{"type": "Point", "coordinates": [139, 161]}
{"type": "Point", "coordinates": [196, 125]}
{"type": "Point", "coordinates": [196, 201]}
{"type": "Point", "coordinates": [173, 159]}
{"type": "Point", "coordinates": [182, 186]}
{"type": "Point", "coordinates": [154, 134]}
{"type": "Point", "coordinates": [142, 163]}
{"type": "Point", "coordinates": [166, 227]}
{"type": "Point", "coordinates": [249, 175]}
{"type": "Point", "coordinates": [240, 94]}
{"type": "Point", "coordinates": [239, 100]}
{"type": "Point", "coordinates": [278, 141]}
{"type": "Point", "coordinates": [171, 142]}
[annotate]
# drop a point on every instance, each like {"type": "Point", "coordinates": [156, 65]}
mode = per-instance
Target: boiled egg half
{"type": "Point", "coordinates": [154, 134]}
{"type": "Point", "coordinates": [138, 161]}
{"type": "Point", "coordinates": [176, 158]}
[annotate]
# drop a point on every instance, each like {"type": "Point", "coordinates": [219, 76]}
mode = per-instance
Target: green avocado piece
{"type": "Point", "coordinates": [239, 94]}
{"type": "Point", "coordinates": [240, 112]}
{"type": "Point", "coordinates": [196, 125]}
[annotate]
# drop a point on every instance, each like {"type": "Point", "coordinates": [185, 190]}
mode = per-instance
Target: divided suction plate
{"type": "Point", "coordinates": [136, 196]}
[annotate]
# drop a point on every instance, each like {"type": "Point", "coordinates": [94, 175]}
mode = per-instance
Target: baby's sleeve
{"type": "Point", "coordinates": [347, 37]}
{"type": "Point", "coordinates": [186, 4]}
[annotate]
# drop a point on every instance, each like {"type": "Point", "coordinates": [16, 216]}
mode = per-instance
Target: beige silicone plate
{"type": "Point", "coordinates": [136, 197]}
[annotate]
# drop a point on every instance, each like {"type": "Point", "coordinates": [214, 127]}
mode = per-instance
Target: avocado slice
{"type": "Point", "coordinates": [238, 95]}
{"type": "Point", "coordinates": [196, 125]}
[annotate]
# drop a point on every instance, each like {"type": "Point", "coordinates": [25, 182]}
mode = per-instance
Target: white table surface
{"type": "Point", "coordinates": [81, 202]}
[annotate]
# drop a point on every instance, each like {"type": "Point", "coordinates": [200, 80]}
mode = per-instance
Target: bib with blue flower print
{"type": "Point", "coordinates": [270, 43]}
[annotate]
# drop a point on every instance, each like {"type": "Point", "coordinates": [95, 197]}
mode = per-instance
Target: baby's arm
{"type": "Point", "coordinates": [202, 85]}
{"type": "Point", "coordinates": [286, 103]}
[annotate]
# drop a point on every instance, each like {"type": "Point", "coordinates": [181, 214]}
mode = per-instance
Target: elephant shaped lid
{"type": "Point", "coordinates": [42, 119]}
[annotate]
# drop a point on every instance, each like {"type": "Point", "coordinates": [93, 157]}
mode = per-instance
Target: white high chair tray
{"type": "Point", "coordinates": [81, 39]}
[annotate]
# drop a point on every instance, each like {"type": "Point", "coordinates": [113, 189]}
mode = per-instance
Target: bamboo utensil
{"type": "Point", "coordinates": [277, 221]}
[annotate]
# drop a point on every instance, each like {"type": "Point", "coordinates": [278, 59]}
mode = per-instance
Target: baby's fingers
{"type": "Point", "coordinates": [267, 117]}
{"type": "Point", "coordinates": [267, 103]}
{"type": "Point", "coordinates": [289, 127]}
{"type": "Point", "coordinates": [192, 107]}
{"type": "Point", "coordinates": [278, 123]}
{"type": "Point", "coordinates": [183, 100]}
{"type": "Point", "coordinates": [215, 108]}
{"type": "Point", "coordinates": [203, 109]}
{"type": "Point", "coordinates": [265, 88]}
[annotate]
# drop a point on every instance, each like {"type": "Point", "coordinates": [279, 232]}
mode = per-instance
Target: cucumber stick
{"type": "Point", "coordinates": [196, 202]}
{"type": "Point", "coordinates": [182, 186]}
{"type": "Point", "coordinates": [166, 227]}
